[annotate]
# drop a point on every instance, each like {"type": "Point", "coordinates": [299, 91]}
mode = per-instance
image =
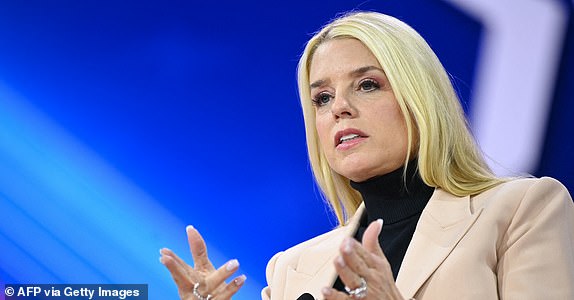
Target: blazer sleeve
{"type": "Point", "coordinates": [266, 291]}
{"type": "Point", "coordinates": [536, 254]}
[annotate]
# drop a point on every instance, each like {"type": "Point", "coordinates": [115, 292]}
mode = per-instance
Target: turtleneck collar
{"type": "Point", "coordinates": [387, 197]}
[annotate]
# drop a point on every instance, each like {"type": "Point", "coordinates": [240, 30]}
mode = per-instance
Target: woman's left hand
{"type": "Point", "coordinates": [364, 266]}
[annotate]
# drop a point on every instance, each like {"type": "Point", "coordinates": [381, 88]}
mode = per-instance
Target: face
{"type": "Point", "coordinates": [359, 123]}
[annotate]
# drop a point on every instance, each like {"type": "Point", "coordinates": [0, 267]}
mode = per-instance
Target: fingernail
{"type": "Point", "coordinates": [189, 227]}
{"type": "Point", "coordinates": [232, 264]}
{"type": "Point", "coordinates": [380, 221]}
{"type": "Point", "coordinates": [340, 261]}
{"type": "Point", "coordinates": [161, 260]}
{"type": "Point", "coordinates": [239, 280]}
{"type": "Point", "coordinates": [348, 246]}
{"type": "Point", "coordinates": [326, 291]}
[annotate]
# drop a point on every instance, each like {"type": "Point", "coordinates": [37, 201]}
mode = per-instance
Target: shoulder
{"type": "Point", "coordinates": [520, 205]}
{"type": "Point", "coordinates": [516, 192]}
{"type": "Point", "coordinates": [524, 185]}
{"type": "Point", "coordinates": [534, 219]}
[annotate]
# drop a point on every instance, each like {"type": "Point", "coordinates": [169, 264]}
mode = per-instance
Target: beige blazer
{"type": "Point", "coordinates": [514, 241]}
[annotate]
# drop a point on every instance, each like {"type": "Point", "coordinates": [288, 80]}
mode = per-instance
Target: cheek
{"type": "Point", "coordinates": [322, 131]}
{"type": "Point", "coordinates": [392, 127]}
{"type": "Point", "coordinates": [401, 137]}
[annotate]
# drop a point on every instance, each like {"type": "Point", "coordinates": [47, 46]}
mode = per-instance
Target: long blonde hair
{"type": "Point", "coordinates": [448, 157]}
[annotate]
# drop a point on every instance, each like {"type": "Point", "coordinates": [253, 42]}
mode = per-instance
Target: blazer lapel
{"type": "Point", "coordinates": [315, 268]}
{"type": "Point", "coordinates": [443, 223]}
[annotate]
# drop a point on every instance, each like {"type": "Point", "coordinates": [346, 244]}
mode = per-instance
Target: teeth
{"type": "Point", "coordinates": [348, 137]}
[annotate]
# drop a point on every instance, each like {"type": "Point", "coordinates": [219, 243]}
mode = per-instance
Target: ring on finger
{"type": "Point", "coordinates": [360, 292]}
{"type": "Point", "coordinates": [198, 295]}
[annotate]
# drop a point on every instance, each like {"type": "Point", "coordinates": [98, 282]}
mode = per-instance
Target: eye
{"type": "Point", "coordinates": [368, 85]}
{"type": "Point", "coordinates": [322, 99]}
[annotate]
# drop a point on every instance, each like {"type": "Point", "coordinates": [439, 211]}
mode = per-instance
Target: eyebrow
{"type": "Point", "coordinates": [354, 73]}
{"type": "Point", "coordinates": [363, 70]}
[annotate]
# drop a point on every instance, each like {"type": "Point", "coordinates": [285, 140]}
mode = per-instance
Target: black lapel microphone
{"type": "Point", "coordinates": [306, 296]}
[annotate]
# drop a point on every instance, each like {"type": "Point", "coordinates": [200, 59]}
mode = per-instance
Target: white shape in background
{"type": "Point", "coordinates": [517, 67]}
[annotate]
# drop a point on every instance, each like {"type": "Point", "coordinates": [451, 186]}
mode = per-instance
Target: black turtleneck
{"type": "Point", "coordinates": [400, 206]}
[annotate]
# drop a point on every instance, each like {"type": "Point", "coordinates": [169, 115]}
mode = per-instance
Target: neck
{"type": "Point", "coordinates": [394, 197]}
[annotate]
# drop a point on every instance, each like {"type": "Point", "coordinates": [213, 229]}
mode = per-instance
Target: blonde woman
{"type": "Point", "coordinates": [421, 214]}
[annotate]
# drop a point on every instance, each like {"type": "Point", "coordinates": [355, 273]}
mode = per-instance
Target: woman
{"type": "Point", "coordinates": [388, 143]}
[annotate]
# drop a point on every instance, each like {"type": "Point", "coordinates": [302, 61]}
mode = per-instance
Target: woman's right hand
{"type": "Point", "coordinates": [208, 282]}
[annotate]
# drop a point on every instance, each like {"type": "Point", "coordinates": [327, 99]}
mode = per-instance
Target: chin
{"type": "Point", "coordinates": [359, 178]}
{"type": "Point", "coordinates": [361, 170]}
{"type": "Point", "coordinates": [356, 174]}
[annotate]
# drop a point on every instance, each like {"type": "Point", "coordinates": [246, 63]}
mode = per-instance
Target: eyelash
{"type": "Point", "coordinates": [318, 102]}
{"type": "Point", "coordinates": [375, 84]}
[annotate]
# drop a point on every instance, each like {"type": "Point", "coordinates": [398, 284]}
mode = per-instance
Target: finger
{"type": "Point", "coordinates": [371, 252]}
{"type": "Point", "coordinates": [232, 288]}
{"type": "Point", "coordinates": [371, 237]}
{"type": "Point", "coordinates": [218, 277]}
{"type": "Point", "coordinates": [177, 272]}
{"type": "Point", "coordinates": [368, 265]}
{"type": "Point", "coordinates": [170, 253]}
{"type": "Point", "coordinates": [360, 259]}
{"type": "Point", "coordinates": [198, 249]}
{"type": "Point", "coordinates": [355, 257]}
{"type": "Point", "coordinates": [375, 270]}
{"type": "Point", "coordinates": [351, 279]}
{"type": "Point", "coordinates": [192, 275]}
{"type": "Point", "coordinates": [332, 294]}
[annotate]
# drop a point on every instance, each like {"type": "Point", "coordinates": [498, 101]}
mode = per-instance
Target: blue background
{"type": "Point", "coordinates": [123, 121]}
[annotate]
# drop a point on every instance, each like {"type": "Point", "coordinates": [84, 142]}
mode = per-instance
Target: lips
{"type": "Point", "coordinates": [348, 135]}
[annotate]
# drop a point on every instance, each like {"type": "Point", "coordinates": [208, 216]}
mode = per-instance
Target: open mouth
{"type": "Point", "coordinates": [348, 135]}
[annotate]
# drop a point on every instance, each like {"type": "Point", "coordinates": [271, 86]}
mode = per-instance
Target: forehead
{"type": "Point", "coordinates": [339, 57]}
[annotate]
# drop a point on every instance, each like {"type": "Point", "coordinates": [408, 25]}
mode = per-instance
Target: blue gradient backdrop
{"type": "Point", "coordinates": [123, 121]}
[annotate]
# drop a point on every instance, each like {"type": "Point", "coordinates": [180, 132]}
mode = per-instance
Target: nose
{"type": "Point", "coordinates": [342, 107]}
